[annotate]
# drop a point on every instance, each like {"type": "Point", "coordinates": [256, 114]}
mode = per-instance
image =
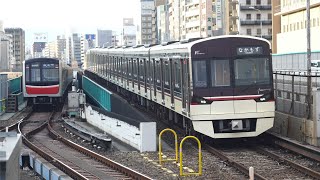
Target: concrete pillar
{"type": "Point", "coordinates": [316, 116]}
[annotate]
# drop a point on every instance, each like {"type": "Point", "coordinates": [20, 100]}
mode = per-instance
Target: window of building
{"type": "Point", "coordinates": [248, 31]}
{"type": "Point", "coordinates": [248, 2]}
{"type": "Point", "coordinates": [149, 18]}
{"type": "Point", "coordinates": [149, 37]}
{"type": "Point", "coordinates": [269, 16]}
{"type": "Point", "coordinates": [248, 16]}
{"type": "Point", "coordinates": [269, 2]}
{"type": "Point", "coordinates": [270, 31]}
{"type": "Point", "coordinates": [143, 18]}
{"type": "Point", "coordinates": [314, 22]}
{"type": "Point", "coordinates": [209, 19]}
{"type": "Point", "coordinates": [209, 27]}
{"type": "Point", "coordinates": [283, 28]}
{"type": "Point", "coordinates": [301, 23]}
{"type": "Point", "coordinates": [258, 31]}
{"type": "Point", "coordinates": [258, 16]}
{"type": "Point", "coordinates": [143, 24]}
{"type": "Point", "coordinates": [143, 37]}
{"type": "Point", "coordinates": [149, 30]}
{"type": "Point", "coordinates": [143, 30]}
{"type": "Point", "coordinates": [290, 27]}
{"type": "Point", "coordinates": [258, 2]}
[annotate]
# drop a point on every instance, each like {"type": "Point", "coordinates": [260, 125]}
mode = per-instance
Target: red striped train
{"type": "Point", "coordinates": [46, 80]}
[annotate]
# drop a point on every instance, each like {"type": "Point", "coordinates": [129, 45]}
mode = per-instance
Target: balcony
{"type": "Point", "coordinates": [256, 22]}
{"type": "Point", "coordinates": [192, 12]}
{"type": "Point", "coordinates": [260, 7]}
{"type": "Point", "coordinates": [194, 23]}
{"type": "Point", "coordinates": [234, 2]}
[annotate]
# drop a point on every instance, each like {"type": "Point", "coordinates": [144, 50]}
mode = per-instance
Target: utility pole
{"type": "Point", "coordinates": [309, 88]}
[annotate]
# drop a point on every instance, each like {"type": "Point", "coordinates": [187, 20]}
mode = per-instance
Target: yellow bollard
{"type": "Point", "coordinates": [160, 146]}
{"type": "Point", "coordinates": [199, 157]}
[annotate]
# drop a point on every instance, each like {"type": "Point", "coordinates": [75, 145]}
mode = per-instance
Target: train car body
{"type": "Point", "coordinates": [45, 80]}
{"type": "Point", "coordinates": [221, 87]}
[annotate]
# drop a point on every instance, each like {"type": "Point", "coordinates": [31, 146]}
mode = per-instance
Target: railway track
{"type": "Point", "coordinates": [79, 164]}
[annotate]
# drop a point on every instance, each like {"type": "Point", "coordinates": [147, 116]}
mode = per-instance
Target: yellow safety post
{"type": "Point", "coordinates": [200, 157]}
{"type": "Point", "coordinates": [160, 146]}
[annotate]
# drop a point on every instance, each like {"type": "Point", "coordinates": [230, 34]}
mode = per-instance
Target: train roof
{"type": "Point", "coordinates": [172, 45]}
{"type": "Point", "coordinates": [41, 59]}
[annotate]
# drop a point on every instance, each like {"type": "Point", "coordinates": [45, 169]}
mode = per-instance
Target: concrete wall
{"type": "Point", "coordinates": [142, 138]}
{"type": "Point", "coordinates": [9, 155]}
{"type": "Point", "coordinates": [300, 129]}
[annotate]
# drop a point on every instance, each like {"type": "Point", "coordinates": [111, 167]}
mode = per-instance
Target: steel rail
{"type": "Point", "coordinates": [63, 167]}
{"type": "Point", "coordinates": [296, 166]}
{"type": "Point", "coordinates": [238, 166]}
{"type": "Point", "coordinates": [112, 164]}
{"type": "Point", "coordinates": [293, 146]}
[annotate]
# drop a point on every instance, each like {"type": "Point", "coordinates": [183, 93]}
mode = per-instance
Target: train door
{"type": "Point", "coordinates": [185, 86]}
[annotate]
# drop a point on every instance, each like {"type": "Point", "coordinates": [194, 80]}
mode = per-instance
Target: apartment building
{"type": "Point", "coordinates": [256, 18]}
{"type": "Point", "coordinates": [18, 38]}
{"type": "Point", "coordinates": [148, 22]}
{"type": "Point", "coordinates": [291, 26]}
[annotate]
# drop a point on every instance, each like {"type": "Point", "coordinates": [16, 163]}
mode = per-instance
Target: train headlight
{"type": "Point", "coordinates": [266, 97]}
{"type": "Point", "coordinates": [196, 100]}
{"type": "Point", "coordinates": [262, 99]}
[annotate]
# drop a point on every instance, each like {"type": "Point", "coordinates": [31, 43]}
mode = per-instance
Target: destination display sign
{"type": "Point", "coordinates": [251, 50]}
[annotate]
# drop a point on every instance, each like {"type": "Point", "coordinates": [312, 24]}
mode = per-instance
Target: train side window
{"type": "Point", "coordinates": [157, 73]}
{"type": "Point", "coordinates": [141, 70]}
{"type": "Point", "coordinates": [130, 67]}
{"type": "Point", "coordinates": [135, 69]}
{"type": "Point", "coordinates": [147, 69]}
{"type": "Point", "coordinates": [177, 76]}
{"type": "Point", "coordinates": [151, 69]}
{"type": "Point", "coordinates": [166, 74]}
{"type": "Point", "coordinates": [200, 73]}
{"type": "Point", "coordinates": [220, 73]}
{"type": "Point", "coordinates": [124, 66]}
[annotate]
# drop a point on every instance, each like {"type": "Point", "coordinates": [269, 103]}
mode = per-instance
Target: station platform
{"type": "Point", "coordinates": [7, 116]}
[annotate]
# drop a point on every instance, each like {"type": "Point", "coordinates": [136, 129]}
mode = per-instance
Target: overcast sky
{"type": "Point", "coordinates": [56, 16]}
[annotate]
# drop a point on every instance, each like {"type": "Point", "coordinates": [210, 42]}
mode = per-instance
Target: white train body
{"type": "Point", "coordinates": [221, 87]}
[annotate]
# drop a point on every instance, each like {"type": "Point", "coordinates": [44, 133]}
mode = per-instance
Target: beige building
{"type": "Point", "coordinates": [18, 37]}
{"type": "Point", "coordinates": [50, 50]}
{"type": "Point", "coordinates": [290, 27]}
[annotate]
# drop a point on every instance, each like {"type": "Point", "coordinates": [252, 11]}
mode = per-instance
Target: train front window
{"type": "Point", "coordinates": [35, 72]}
{"type": "Point", "coordinates": [220, 73]}
{"type": "Point", "coordinates": [50, 72]}
{"type": "Point", "coordinates": [252, 71]}
{"type": "Point", "coordinates": [200, 73]}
